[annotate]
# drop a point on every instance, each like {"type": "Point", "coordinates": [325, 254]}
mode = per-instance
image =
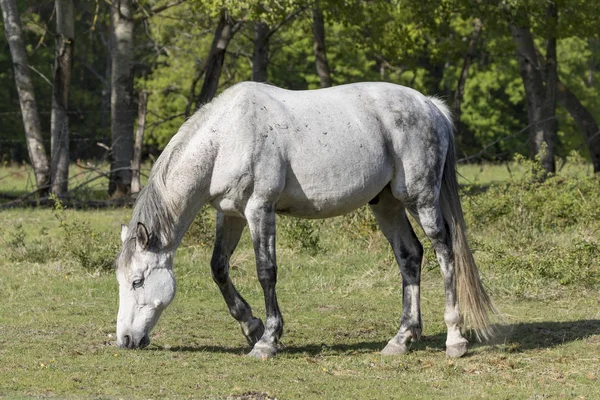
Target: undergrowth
{"type": "Point", "coordinates": [95, 251]}
{"type": "Point", "coordinates": [538, 231]}
{"type": "Point", "coordinates": [40, 249]}
{"type": "Point", "coordinates": [526, 232]}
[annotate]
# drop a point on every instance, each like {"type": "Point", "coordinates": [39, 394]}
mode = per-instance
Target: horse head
{"type": "Point", "coordinates": [146, 286]}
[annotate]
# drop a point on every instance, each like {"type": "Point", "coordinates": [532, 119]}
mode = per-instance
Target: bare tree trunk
{"type": "Point", "coordinates": [105, 99]}
{"type": "Point", "coordinates": [223, 35]}
{"type": "Point", "coordinates": [31, 120]}
{"type": "Point", "coordinates": [549, 123]}
{"type": "Point", "coordinates": [535, 94]}
{"type": "Point", "coordinates": [121, 101]}
{"type": "Point", "coordinates": [466, 136]}
{"type": "Point", "coordinates": [260, 56]}
{"type": "Point", "coordinates": [584, 119]}
{"type": "Point", "coordinates": [319, 47]}
{"type": "Point", "coordinates": [59, 120]}
{"type": "Point", "coordinates": [136, 164]}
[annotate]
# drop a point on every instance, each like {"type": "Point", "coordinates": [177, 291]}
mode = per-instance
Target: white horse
{"type": "Point", "coordinates": [258, 150]}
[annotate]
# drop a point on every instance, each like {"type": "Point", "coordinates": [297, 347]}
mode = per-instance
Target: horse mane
{"type": "Point", "coordinates": [154, 207]}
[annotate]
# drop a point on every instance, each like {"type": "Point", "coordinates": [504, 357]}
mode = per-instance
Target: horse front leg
{"type": "Point", "coordinates": [229, 231]}
{"type": "Point", "coordinates": [261, 221]}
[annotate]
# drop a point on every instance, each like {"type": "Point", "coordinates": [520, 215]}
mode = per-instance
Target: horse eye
{"type": "Point", "coordinates": [138, 283]}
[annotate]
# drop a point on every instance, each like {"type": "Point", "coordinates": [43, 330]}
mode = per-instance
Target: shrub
{"type": "Point", "coordinates": [41, 249]}
{"type": "Point", "coordinates": [95, 251]}
{"type": "Point", "coordinates": [202, 230]}
{"type": "Point", "coordinates": [302, 231]}
{"type": "Point", "coordinates": [534, 231]}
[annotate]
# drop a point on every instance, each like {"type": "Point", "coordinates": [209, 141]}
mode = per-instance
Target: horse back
{"type": "Point", "coordinates": [326, 152]}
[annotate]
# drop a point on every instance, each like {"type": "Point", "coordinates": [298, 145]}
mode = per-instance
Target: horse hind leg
{"type": "Point", "coordinates": [229, 231]}
{"type": "Point", "coordinates": [393, 222]}
{"type": "Point", "coordinates": [435, 227]}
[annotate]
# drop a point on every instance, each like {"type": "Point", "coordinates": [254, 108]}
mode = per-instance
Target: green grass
{"type": "Point", "coordinates": [340, 304]}
{"type": "Point", "coordinates": [88, 180]}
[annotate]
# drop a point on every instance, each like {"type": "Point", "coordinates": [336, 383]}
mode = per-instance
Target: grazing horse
{"type": "Point", "coordinates": [258, 150]}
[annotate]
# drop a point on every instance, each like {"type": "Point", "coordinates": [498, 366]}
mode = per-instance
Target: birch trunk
{"type": "Point", "coordinates": [29, 112]}
{"type": "Point", "coordinates": [59, 119]}
{"type": "Point", "coordinates": [121, 99]}
{"type": "Point", "coordinates": [136, 164]}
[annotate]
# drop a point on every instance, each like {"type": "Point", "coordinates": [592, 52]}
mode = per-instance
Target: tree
{"type": "Point", "coordinates": [260, 55]}
{"type": "Point", "coordinates": [123, 22]}
{"type": "Point", "coordinates": [121, 103]}
{"type": "Point", "coordinates": [269, 19]}
{"type": "Point", "coordinates": [465, 135]}
{"type": "Point", "coordinates": [585, 120]}
{"type": "Point", "coordinates": [59, 147]}
{"type": "Point", "coordinates": [319, 46]}
{"type": "Point", "coordinates": [541, 96]}
{"type": "Point", "coordinates": [29, 111]}
{"type": "Point", "coordinates": [226, 29]}
{"type": "Point", "coordinates": [136, 163]}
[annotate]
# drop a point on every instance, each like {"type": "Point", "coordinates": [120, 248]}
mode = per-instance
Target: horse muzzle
{"type": "Point", "coordinates": [129, 342]}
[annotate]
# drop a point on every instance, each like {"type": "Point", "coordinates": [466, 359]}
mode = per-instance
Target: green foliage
{"type": "Point", "coordinates": [558, 202]}
{"type": "Point", "coordinates": [303, 232]}
{"type": "Point", "coordinates": [93, 250]}
{"type": "Point", "coordinates": [202, 230]}
{"type": "Point", "coordinates": [38, 250]}
{"type": "Point", "coordinates": [359, 225]}
{"type": "Point", "coordinates": [523, 213]}
{"type": "Point", "coordinates": [418, 44]}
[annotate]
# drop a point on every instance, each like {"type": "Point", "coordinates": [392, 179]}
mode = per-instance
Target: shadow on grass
{"type": "Point", "coordinates": [516, 337]}
{"type": "Point", "coordinates": [540, 335]}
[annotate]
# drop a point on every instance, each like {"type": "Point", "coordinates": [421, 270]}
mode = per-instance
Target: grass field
{"type": "Point", "coordinates": [537, 245]}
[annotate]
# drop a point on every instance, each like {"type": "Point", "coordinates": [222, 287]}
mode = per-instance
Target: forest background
{"type": "Point", "coordinates": [521, 76]}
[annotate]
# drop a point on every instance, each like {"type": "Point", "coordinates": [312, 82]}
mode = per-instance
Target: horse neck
{"type": "Point", "coordinates": [187, 189]}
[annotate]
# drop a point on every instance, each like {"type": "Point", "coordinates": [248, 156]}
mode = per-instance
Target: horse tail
{"type": "Point", "coordinates": [474, 303]}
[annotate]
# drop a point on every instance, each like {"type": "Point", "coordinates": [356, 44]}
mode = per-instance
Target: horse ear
{"type": "Point", "coordinates": [142, 236]}
{"type": "Point", "coordinates": [124, 230]}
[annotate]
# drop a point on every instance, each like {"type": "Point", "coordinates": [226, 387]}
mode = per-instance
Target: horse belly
{"type": "Point", "coordinates": [322, 187]}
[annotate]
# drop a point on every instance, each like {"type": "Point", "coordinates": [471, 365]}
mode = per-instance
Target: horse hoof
{"type": "Point", "coordinates": [263, 352]}
{"type": "Point", "coordinates": [457, 350]}
{"type": "Point", "coordinates": [254, 330]}
{"type": "Point", "coordinates": [393, 349]}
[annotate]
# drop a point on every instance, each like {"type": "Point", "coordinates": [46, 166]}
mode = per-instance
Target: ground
{"type": "Point", "coordinates": [340, 297]}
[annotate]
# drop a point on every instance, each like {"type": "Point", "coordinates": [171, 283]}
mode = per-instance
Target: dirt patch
{"type": "Point", "coordinates": [251, 396]}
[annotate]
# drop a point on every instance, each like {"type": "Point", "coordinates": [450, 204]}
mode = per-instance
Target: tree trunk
{"type": "Point", "coordinates": [59, 119]}
{"type": "Point", "coordinates": [29, 112]}
{"type": "Point", "coordinates": [464, 135]}
{"type": "Point", "coordinates": [121, 99]}
{"type": "Point", "coordinates": [319, 47]}
{"type": "Point", "coordinates": [535, 94]}
{"type": "Point", "coordinates": [136, 164]}
{"type": "Point", "coordinates": [549, 123]}
{"type": "Point", "coordinates": [105, 97]}
{"type": "Point", "coordinates": [260, 56]}
{"type": "Point", "coordinates": [225, 31]}
{"type": "Point", "coordinates": [584, 119]}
